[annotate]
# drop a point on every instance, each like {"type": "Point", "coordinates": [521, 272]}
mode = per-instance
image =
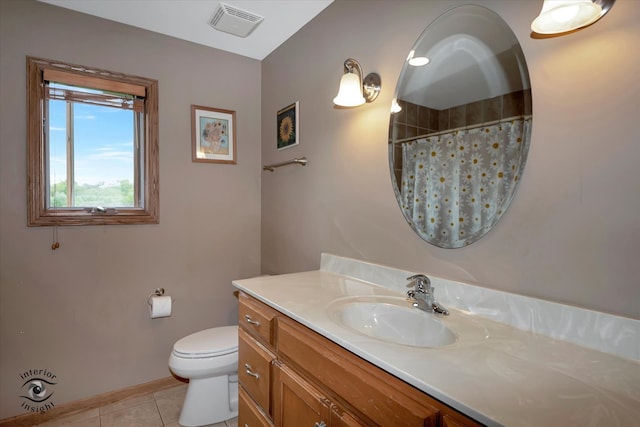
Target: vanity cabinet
{"type": "Point", "coordinates": [314, 382]}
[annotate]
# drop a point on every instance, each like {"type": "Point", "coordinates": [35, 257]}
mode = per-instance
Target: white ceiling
{"type": "Point", "coordinates": [189, 20]}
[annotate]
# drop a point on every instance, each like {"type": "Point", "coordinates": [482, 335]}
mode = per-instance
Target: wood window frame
{"type": "Point", "coordinates": [38, 214]}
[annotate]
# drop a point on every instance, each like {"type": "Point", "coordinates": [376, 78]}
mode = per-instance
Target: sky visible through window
{"type": "Point", "coordinates": [103, 144]}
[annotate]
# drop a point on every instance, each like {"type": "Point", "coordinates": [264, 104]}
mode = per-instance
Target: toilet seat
{"type": "Point", "coordinates": [212, 342]}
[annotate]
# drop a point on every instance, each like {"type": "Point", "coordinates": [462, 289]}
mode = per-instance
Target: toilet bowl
{"type": "Point", "coordinates": [209, 360]}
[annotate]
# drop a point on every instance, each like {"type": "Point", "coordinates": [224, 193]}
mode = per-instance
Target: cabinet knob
{"type": "Point", "coordinates": [249, 371]}
{"type": "Point", "coordinates": [321, 424]}
{"type": "Point", "coordinates": [250, 320]}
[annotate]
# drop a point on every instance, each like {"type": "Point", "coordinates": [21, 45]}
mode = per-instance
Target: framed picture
{"type": "Point", "coordinates": [213, 135]}
{"type": "Point", "coordinates": [288, 126]}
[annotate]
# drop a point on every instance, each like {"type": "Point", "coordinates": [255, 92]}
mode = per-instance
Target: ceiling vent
{"type": "Point", "coordinates": [235, 21]}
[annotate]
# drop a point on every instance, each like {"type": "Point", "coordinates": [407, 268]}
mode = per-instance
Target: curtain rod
{"type": "Point", "coordinates": [466, 127]}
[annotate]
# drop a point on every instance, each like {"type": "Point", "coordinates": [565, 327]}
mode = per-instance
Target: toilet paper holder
{"type": "Point", "coordinates": [157, 293]}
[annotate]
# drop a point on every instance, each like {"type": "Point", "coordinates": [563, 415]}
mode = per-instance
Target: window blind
{"type": "Point", "coordinates": [69, 78]}
{"type": "Point", "coordinates": [115, 100]}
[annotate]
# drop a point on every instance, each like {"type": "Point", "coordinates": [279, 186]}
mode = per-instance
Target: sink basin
{"type": "Point", "coordinates": [390, 319]}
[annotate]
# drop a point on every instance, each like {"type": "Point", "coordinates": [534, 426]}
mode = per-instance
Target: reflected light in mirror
{"type": "Point", "coordinates": [395, 107]}
{"type": "Point", "coordinates": [417, 61]}
{"type": "Point", "coordinates": [560, 16]}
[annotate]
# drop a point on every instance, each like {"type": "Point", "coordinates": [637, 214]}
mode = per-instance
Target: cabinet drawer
{"type": "Point", "coordinates": [340, 418]}
{"type": "Point", "coordinates": [256, 318]}
{"type": "Point", "coordinates": [456, 420]}
{"type": "Point", "coordinates": [378, 396]}
{"type": "Point", "coordinates": [254, 369]}
{"type": "Point", "coordinates": [249, 415]}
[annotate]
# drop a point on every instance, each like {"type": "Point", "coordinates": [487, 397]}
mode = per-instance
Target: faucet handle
{"type": "Point", "coordinates": [423, 284]}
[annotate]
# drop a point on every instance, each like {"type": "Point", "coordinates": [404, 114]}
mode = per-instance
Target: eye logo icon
{"type": "Point", "coordinates": [37, 390]}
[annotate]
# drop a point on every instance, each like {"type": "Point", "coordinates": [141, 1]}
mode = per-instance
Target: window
{"type": "Point", "coordinates": [92, 146]}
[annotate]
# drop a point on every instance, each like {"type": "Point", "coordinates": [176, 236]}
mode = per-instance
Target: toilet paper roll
{"type": "Point", "coordinates": [160, 306]}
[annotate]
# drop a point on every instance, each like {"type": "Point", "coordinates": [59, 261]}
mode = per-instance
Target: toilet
{"type": "Point", "coordinates": [209, 360]}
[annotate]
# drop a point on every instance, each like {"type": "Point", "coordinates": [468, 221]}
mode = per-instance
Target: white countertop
{"type": "Point", "coordinates": [494, 373]}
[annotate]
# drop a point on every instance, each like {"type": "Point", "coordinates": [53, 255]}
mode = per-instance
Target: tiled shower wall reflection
{"type": "Point", "coordinates": [415, 120]}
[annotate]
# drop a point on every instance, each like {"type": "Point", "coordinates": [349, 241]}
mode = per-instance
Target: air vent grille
{"type": "Point", "coordinates": [242, 14]}
{"type": "Point", "coordinates": [234, 21]}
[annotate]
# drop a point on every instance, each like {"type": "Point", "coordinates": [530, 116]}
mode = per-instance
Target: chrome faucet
{"type": "Point", "coordinates": [422, 296]}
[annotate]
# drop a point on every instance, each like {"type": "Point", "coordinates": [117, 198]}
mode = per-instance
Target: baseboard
{"type": "Point", "coordinates": [71, 408]}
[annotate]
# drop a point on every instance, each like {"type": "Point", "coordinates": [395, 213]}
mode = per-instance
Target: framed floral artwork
{"type": "Point", "coordinates": [213, 135]}
{"type": "Point", "coordinates": [288, 126]}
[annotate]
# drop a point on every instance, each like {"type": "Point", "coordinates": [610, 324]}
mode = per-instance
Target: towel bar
{"type": "Point", "coordinates": [301, 161]}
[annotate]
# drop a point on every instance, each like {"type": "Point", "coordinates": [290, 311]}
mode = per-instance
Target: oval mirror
{"type": "Point", "coordinates": [460, 126]}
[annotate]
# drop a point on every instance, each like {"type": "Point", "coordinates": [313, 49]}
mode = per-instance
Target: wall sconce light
{"type": "Point", "coordinates": [354, 90]}
{"type": "Point", "coordinates": [561, 16]}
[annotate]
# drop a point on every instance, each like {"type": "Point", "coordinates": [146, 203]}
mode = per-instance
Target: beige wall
{"type": "Point", "coordinates": [572, 233]}
{"type": "Point", "coordinates": [81, 311]}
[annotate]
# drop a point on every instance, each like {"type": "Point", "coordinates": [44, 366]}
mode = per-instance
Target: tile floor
{"type": "Point", "coordinates": [160, 409]}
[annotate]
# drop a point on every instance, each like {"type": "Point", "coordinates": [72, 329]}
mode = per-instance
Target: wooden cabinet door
{"type": "Point", "coordinates": [296, 402]}
{"type": "Point", "coordinates": [249, 414]}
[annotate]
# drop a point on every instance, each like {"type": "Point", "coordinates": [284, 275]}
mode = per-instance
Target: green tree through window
{"type": "Point", "coordinates": [100, 148]}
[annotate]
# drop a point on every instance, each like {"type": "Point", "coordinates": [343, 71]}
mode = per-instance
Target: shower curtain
{"type": "Point", "coordinates": [455, 185]}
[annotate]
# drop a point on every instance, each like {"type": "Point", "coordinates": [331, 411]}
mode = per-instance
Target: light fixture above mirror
{"type": "Point", "coordinates": [561, 16]}
{"type": "Point", "coordinates": [354, 90]}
